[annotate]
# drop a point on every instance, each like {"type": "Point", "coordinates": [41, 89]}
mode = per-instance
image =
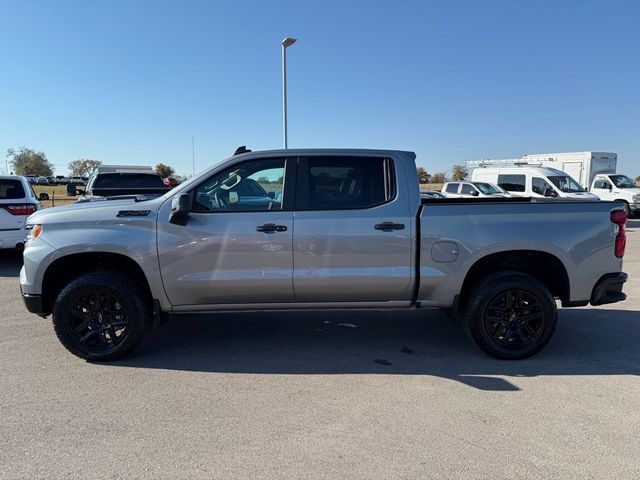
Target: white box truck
{"type": "Point", "coordinates": [582, 166]}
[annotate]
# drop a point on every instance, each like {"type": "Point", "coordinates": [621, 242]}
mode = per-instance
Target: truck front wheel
{"type": "Point", "coordinates": [101, 315]}
{"type": "Point", "coordinates": [510, 315]}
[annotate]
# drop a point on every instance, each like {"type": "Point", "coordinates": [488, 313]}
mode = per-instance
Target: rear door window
{"type": "Point", "coordinates": [452, 188]}
{"type": "Point", "coordinates": [512, 183]}
{"type": "Point", "coordinates": [338, 183]}
{"type": "Point", "coordinates": [601, 183]}
{"type": "Point", "coordinates": [11, 189]}
{"type": "Point", "coordinates": [467, 189]}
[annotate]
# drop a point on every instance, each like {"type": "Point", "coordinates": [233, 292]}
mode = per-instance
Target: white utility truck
{"type": "Point", "coordinates": [582, 166]}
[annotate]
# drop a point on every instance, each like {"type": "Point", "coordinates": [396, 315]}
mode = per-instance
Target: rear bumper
{"type": "Point", "coordinates": [12, 238]}
{"type": "Point", "coordinates": [33, 303]}
{"type": "Point", "coordinates": [609, 289]}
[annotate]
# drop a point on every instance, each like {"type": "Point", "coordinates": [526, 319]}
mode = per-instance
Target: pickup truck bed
{"type": "Point", "coordinates": [338, 229]}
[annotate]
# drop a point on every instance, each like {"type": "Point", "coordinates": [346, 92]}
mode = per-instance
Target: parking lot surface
{"type": "Point", "coordinates": [323, 395]}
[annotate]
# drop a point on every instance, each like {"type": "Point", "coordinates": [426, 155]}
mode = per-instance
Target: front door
{"type": "Point", "coordinates": [353, 231]}
{"type": "Point", "coordinates": [237, 244]}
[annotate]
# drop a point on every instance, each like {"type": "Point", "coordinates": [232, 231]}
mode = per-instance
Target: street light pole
{"type": "Point", "coordinates": [287, 42]}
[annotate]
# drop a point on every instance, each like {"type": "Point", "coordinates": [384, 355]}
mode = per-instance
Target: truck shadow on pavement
{"type": "Point", "coordinates": [10, 263]}
{"type": "Point", "coordinates": [591, 341]}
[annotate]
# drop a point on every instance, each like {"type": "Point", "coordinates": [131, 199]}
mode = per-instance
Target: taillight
{"type": "Point", "coordinates": [21, 209]}
{"type": "Point", "coordinates": [619, 217]}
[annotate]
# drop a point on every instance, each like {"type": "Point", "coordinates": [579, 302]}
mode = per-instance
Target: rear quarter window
{"type": "Point", "coordinates": [11, 190]}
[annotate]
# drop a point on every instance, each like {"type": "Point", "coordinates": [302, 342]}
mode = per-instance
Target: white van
{"type": "Point", "coordinates": [530, 181]}
{"type": "Point", "coordinates": [618, 187]}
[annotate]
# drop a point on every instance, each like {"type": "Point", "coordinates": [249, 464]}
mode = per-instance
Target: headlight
{"type": "Point", "coordinates": [33, 232]}
{"type": "Point", "coordinates": [636, 199]}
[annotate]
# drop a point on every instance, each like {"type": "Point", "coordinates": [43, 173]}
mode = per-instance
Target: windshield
{"type": "Point", "coordinates": [566, 184]}
{"type": "Point", "coordinates": [128, 180]}
{"type": "Point", "coordinates": [488, 188]}
{"type": "Point", "coordinates": [622, 181]}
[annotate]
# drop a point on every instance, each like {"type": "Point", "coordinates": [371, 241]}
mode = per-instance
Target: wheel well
{"type": "Point", "coordinates": [67, 268]}
{"type": "Point", "coordinates": [547, 268]}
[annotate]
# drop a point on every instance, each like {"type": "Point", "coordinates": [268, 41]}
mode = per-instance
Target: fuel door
{"type": "Point", "coordinates": [444, 252]}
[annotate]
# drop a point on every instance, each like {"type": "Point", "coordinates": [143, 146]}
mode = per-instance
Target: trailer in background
{"type": "Point", "coordinates": [582, 166]}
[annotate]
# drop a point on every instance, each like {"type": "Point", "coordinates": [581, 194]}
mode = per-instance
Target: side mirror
{"type": "Point", "coordinates": [43, 196]}
{"type": "Point", "coordinates": [474, 193]}
{"type": "Point", "coordinates": [271, 195]}
{"type": "Point", "coordinates": [609, 187]}
{"type": "Point", "coordinates": [79, 191]}
{"type": "Point", "coordinates": [180, 208]}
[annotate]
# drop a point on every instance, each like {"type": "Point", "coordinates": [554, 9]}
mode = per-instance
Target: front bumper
{"type": "Point", "coordinates": [33, 303]}
{"type": "Point", "coordinates": [609, 289]}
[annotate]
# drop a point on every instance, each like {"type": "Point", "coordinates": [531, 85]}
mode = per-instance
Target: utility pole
{"type": "Point", "coordinates": [287, 42]}
{"type": "Point", "coordinates": [193, 154]}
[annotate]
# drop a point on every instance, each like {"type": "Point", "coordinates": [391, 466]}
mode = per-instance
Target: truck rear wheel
{"type": "Point", "coordinates": [101, 315]}
{"type": "Point", "coordinates": [510, 315]}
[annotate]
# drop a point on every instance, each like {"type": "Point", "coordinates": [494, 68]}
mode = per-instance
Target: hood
{"type": "Point", "coordinates": [97, 210]}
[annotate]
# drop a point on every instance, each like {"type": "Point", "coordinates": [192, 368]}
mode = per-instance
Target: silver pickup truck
{"type": "Point", "coordinates": [303, 229]}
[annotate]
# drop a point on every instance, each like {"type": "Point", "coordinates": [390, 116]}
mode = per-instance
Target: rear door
{"type": "Point", "coordinates": [452, 190]}
{"type": "Point", "coordinates": [353, 230]}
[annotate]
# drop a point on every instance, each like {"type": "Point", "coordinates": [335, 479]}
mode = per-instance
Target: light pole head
{"type": "Point", "coordinates": [288, 41]}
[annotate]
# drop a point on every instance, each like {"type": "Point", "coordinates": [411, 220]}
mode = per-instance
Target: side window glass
{"type": "Point", "coordinates": [336, 183]}
{"type": "Point", "coordinates": [512, 183]}
{"type": "Point", "coordinates": [452, 188]}
{"type": "Point", "coordinates": [542, 187]}
{"type": "Point", "coordinates": [246, 187]}
{"type": "Point", "coordinates": [467, 189]}
{"type": "Point", "coordinates": [601, 184]}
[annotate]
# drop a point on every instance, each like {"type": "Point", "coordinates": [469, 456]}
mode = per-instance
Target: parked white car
{"type": "Point", "coordinates": [614, 186]}
{"type": "Point", "coordinates": [530, 181]}
{"type": "Point", "coordinates": [472, 190]}
{"type": "Point", "coordinates": [17, 202]}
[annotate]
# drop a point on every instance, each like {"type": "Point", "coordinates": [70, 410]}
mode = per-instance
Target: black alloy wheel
{"type": "Point", "coordinates": [102, 315]}
{"type": "Point", "coordinates": [510, 315]}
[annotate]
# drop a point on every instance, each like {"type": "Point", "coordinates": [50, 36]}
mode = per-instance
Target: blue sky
{"type": "Point", "coordinates": [133, 81]}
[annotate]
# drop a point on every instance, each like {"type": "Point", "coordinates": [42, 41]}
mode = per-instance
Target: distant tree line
{"type": "Point", "coordinates": [458, 173]}
{"type": "Point", "coordinates": [27, 161]}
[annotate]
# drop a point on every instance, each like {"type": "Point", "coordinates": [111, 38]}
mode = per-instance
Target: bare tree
{"type": "Point", "coordinates": [459, 172]}
{"type": "Point", "coordinates": [439, 177]}
{"type": "Point", "coordinates": [83, 167]}
{"type": "Point", "coordinates": [423, 176]}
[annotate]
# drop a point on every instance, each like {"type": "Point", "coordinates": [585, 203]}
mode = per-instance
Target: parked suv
{"type": "Point", "coordinates": [472, 189]}
{"type": "Point", "coordinates": [17, 202]}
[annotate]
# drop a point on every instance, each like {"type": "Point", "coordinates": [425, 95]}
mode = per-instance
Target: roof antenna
{"type": "Point", "coordinates": [242, 149]}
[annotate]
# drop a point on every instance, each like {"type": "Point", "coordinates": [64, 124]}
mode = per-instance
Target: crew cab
{"type": "Point", "coordinates": [613, 186]}
{"type": "Point", "coordinates": [343, 229]}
